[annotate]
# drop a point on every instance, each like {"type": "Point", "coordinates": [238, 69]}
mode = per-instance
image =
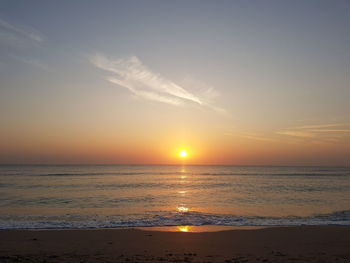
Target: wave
{"type": "Point", "coordinates": [111, 173]}
{"type": "Point", "coordinates": [167, 219]}
{"type": "Point", "coordinates": [304, 174]}
{"type": "Point", "coordinates": [76, 174]}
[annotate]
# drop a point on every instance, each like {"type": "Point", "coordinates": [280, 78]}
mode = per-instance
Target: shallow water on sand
{"type": "Point", "coordinates": [160, 195]}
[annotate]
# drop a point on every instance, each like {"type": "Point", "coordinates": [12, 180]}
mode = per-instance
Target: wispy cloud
{"type": "Point", "coordinates": [297, 133]}
{"type": "Point", "coordinates": [251, 136]}
{"type": "Point", "coordinates": [132, 74]}
{"type": "Point", "coordinates": [17, 44]}
{"type": "Point", "coordinates": [321, 132]}
{"type": "Point", "coordinates": [18, 36]}
{"type": "Point", "coordinates": [320, 126]}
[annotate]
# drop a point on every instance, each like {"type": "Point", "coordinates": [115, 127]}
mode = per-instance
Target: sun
{"type": "Point", "coordinates": [183, 153]}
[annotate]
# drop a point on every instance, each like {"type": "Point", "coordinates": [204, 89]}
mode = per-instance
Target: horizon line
{"type": "Point", "coordinates": [170, 164]}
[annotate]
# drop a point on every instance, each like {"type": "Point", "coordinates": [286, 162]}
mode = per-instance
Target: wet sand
{"type": "Point", "coordinates": [282, 244]}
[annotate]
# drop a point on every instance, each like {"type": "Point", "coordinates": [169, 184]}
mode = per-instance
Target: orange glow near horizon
{"type": "Point", "coordinates": [103, 147]}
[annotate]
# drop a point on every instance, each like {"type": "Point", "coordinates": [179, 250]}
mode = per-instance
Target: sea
{"type": "Point", "coordinates": [114, 196]}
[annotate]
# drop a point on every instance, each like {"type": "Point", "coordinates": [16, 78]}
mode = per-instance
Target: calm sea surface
{"type": "Point", "coordinates": [155, 195]}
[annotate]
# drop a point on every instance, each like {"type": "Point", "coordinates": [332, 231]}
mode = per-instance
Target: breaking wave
{"type": "Point", "coordinates": [71, 221]}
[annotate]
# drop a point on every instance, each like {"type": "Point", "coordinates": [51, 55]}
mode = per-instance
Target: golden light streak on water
{"type": "Point", "coordinates": [182, 209]}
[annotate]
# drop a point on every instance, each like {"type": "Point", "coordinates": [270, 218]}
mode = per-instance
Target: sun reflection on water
{"type": "Point", "coordinates": [183, 169]}
{"type": "Point", "coordinates": [182, 209]}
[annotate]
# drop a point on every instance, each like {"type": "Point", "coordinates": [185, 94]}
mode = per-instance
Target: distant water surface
{"type": "Point", "coordinates": [160, 195]}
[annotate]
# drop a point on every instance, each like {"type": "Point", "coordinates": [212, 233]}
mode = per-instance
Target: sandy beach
{"type": "Point", "coordinates": [282, 244]}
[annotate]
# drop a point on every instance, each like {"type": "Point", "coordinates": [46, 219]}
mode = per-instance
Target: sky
{"type": "Point", "coordinates": [135, 82]}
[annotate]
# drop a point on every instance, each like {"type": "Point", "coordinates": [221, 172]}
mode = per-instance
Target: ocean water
{"type": "Point", "coordinates": [103, 196]}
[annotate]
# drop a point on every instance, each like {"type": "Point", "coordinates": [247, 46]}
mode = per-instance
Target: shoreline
{"type": "Point", "coordinates": [176, 228]}
{"type": "Point", "coordinates": [179, 228]}
{"type": "Point", "coordinates": [272, 244]}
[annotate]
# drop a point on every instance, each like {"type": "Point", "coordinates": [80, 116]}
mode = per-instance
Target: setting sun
{"type": "Point", "coordinates": [183, 228]}
{"type": "Point", "coordinates": [183, 153]}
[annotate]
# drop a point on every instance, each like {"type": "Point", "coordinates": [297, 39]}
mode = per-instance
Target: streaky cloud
{"type": "Point", "coordinates": [250, 136]}
{"type": "Point", "coordinates": [18, 36]}
{"type": "Point", "coordinates": [133, 75]}
{"type": "Point", "coordinates": [320, 132]}
{"type": "Point", "coordinates": [321, 126]}
{"type": "Point", "coordinates": [297, 133]}
{"type": "Point", "coordinates": [146, 94]}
